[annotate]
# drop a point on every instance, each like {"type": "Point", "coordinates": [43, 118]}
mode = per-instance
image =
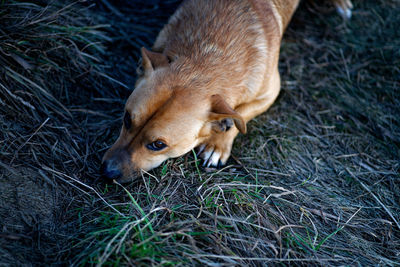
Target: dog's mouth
{"type": "Point", "coordinates": [131, 177]}
{"type": "Point", "coordinates": [135, 176]}
{"type": "Point", "coordinates": [111, 173]}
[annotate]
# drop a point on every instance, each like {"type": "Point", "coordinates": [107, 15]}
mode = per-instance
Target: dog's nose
{"type": "Point", "coordinates": [109, 170]}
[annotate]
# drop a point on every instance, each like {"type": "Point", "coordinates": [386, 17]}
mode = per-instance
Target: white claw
{"type": "Point", "coordinates": [200, 149]}
{"type": "Point", "coordinates": [213, 161]}
{"type": "Point", "coordinates": [206, 156]}
{"type": "Point", "coordinates": [345, 13]}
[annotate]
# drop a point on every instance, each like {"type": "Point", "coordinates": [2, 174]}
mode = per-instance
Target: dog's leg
{"type": "Point", "coordinates": [269, 92]}
{"type": "Point", "coordinates": [217, 149]}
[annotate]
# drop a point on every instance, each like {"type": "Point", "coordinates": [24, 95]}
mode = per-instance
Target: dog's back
{"type": "Point", "coordinates": [228, 42]}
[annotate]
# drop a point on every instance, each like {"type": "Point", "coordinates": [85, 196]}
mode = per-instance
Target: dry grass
{"type": "Point", "coordinates": [314, 182]}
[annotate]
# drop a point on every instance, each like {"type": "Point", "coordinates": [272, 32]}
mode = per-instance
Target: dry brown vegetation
{"type": "Point", "coordinates": [314, 182]}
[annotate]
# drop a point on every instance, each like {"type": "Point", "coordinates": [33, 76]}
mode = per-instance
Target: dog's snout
{"type": "Point", "coordinates": [109, 170]}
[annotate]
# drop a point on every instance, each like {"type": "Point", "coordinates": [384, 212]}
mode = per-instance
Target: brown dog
{"type": "Point", "coordinates": [213, 68]}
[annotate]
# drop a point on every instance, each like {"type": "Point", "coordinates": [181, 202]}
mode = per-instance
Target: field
{"type": "Point", "coordinates": [315, 181]}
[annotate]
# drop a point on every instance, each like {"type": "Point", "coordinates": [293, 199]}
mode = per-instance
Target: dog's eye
{"type": "Point", "coordinates": [156, 146]}
{"type": "Point", "coordinates": [127, 120]}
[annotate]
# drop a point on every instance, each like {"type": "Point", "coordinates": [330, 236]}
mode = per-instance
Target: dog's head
{"type": "Point", "coordinates": [167, 115]}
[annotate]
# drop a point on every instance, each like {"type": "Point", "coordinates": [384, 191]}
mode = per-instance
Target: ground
{"type": "Point", "coordinates": [315, 181]}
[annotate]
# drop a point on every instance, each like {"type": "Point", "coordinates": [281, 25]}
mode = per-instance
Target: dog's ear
{"type": "Point", "coordinates": [221, 112]}
{"type": "Point", "coordinates": [152, 60]}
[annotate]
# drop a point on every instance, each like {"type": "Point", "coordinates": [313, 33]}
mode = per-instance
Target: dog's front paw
{"type": "Point", "coordinates": [216, 150]}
